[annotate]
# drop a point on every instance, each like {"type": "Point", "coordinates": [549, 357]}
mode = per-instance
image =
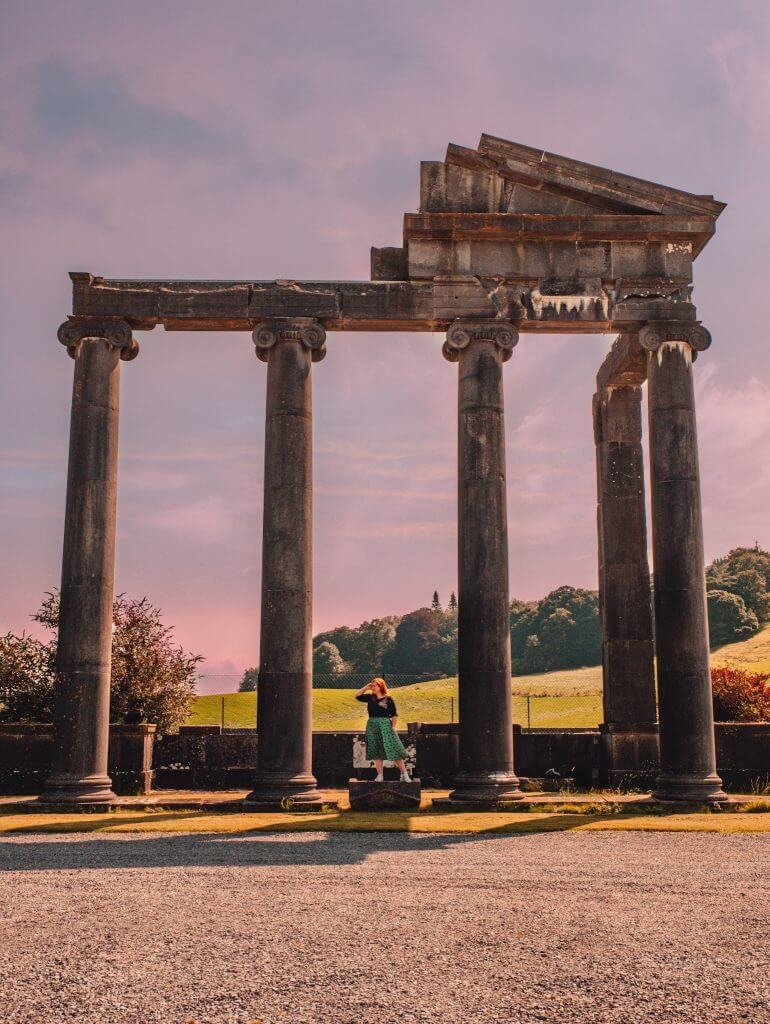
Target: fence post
{"type": "Point", "coordinates": [223, 712]}
{"type": "Point", "coordinates": [529, 712]}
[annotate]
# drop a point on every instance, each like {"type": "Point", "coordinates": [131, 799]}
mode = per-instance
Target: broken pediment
{"type": "Point", "coordinates": [568, 240]}
{"type": "Point", "coordinates": [506, 177]}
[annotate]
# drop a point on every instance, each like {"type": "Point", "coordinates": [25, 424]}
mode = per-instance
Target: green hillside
{"type": "Point", "coordinates": [752, 654]}
{"type": "Point", "coordinates": [567, 699]}
{"type": "Point", "coordinates": [546, 700]}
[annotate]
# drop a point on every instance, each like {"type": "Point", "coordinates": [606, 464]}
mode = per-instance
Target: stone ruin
{"type": "Point", "coordinates": [508, 241]}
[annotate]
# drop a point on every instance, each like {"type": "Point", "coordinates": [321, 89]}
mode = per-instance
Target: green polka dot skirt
{"type": "Point", "coordinates": [382, 741]}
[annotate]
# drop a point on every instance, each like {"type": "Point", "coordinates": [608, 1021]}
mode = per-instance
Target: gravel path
{"type": "Point", "coordinates": [373, 929]}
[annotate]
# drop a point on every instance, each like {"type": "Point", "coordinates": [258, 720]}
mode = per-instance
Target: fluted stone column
{"type": "Point", "coordinates": [486, 732]}
{"type": "Point", "coordinates": [84, 653]}
{"type": "Point", "coordinates": [688, 763]}
{"type": "Point", "coordinates": [629, 730]}
{"type": "Point", "coordinates": [284, 689]}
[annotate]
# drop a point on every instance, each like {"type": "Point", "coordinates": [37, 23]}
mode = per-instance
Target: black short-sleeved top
{"type": "Point", "coordinates": [379, 707]}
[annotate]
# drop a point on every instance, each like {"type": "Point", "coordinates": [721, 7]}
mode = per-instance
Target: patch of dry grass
{"type": "Point", "coordinates": [558, 818]}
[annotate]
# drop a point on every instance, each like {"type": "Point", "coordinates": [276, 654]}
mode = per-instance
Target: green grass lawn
{"type": "Point", "coordinates": [558, 699]}
{"type": "Point", "coordinates": [753, 654]}
{"type": "Point", "coordinates": [567, 699]}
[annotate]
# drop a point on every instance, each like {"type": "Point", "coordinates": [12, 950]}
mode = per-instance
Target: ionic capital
{"type": "Point", "coordinates": [299, 328]}
{"type": "Point", "coordinates": [658, 333]}
{"type": "Point", "coordinates": [115, 332]}
{"type": "Point", "coordinates": [463, 332]}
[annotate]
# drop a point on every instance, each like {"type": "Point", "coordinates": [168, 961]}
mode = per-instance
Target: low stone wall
{"type": "Point", "coordinates": [535, 751]}
{"type": "Point", "coordinates": [26, 751]}
{"type": "Point", "coordinates": [206, 758]}
{"type": "Point", "coordinates": [743, 754]}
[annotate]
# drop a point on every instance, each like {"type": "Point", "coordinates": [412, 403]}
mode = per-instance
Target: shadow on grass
{"type": "Point", "coordinates": [194, 838]}
{"type": "Point", "coordinates": [338, 840]}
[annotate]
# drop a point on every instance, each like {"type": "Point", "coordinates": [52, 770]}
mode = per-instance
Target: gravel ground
{"type": "Point", "coordinates": [381, 928]}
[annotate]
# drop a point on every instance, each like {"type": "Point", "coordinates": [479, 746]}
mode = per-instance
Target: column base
{"type": "Point", "coordinates": [78, 791]}
{"type": "Point", "coordinates": [485, 790]}
{"type": "Point", "coordinates": [692, 788]}
{"type": "Point", "coordinates": [285, 792]}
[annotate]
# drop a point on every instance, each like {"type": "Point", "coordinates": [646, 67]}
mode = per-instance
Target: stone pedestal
{"type": "Point", "coordinates": [389, 796]}
{"type": "Point", "coordinates": [284, 773]}
{"type": "Point", "coordinates": [84, 657]}
{"type": "Point", "coordinates": [130, 757]}
{"type": "Point", "coordinates": [486, 741]}
{"type": "Point", "coordinates": [629, 754]}
{"type": "Point", "coordinates": [687, 754]}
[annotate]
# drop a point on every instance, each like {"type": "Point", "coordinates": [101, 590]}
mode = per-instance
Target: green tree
{"type": "Point", "coordinates": [151, 677]}
{"type": "Point", "coordinates": [521, 618]}
{"type": "Point", "coordinates": [453, 602]}
{"type": "Point", "coordinates": [27, 678]}
{"type": "Point", "coordinates": [560, 631]}
{"type": "Point", "coordinates": [745, 572]}
{"type": "Point", "coordinates": [363, 649]}
{"type": "Point", "coordinates": [327, 660]}
{"type": "Point", "coordinates": [436, 603]}
{"type": "Point", "coordinates": [248, 683]}
{"type": "Point", "coordinates": [419, 647]}
{"type": "Point", "coordinates": [729, 618]}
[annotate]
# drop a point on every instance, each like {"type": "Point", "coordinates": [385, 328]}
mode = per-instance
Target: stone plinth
{"type": "Point", "coordinates": [391, 796]}
{"type": "Point", "coordinates": [629, 754]}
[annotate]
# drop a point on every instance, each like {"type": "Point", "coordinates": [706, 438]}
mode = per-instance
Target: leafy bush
{"type": "Point", "coordinates": [327, 660]}
{"type": "Point", "coordinates": [729, 618]}
{"type": "Point", "coordinates": [248, 683]}
{"type": "Point", "coordinates": [746, 573]}
{"type": "Point", "coordinates": [740, 696]}
{"type": "Point", "coordinates": [152, 678]}
{"type": "Point", "coordinates": [27, 675]}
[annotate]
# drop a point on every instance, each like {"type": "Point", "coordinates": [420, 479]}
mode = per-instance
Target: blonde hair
{"type": "Point", "coordinates": [382, 685]}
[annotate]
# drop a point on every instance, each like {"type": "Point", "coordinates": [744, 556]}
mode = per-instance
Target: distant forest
{"type": "Point", "coordinates": [561, 631]}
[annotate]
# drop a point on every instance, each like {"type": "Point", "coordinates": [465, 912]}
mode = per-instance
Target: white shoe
{"type": "Point", "coordinates": [405, 777]}
{"type": "Point", "coordinates": [379, 778]}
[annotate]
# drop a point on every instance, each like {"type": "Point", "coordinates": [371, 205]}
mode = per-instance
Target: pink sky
{"type": "Point", "coordinates": [267, 140]}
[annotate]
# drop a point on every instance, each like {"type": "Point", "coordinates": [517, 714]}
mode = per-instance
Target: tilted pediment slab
{"type": "Point", "coordinates": [506, 177]}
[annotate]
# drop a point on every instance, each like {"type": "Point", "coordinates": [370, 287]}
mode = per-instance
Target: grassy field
{"type": "Point", "coordinates": [752, 654]}
{"type": "Point", "coordinates": [568, 699]}
{"type": "Point", "coordinates": [557, 699]}
{"type": "Point", "coordinates": [452, 822]}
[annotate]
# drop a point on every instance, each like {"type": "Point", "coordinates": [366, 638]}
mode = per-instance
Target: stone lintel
{"type": "Point", "coordinates": [550, 304]}
{"type": "Point", "coordinates": [625, 365]}
{"type": "Point", "coordinates": [542, 227]}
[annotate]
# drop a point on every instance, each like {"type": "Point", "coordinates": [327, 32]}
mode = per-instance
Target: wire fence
{"type": "Point", "coordinates": [417, 700]}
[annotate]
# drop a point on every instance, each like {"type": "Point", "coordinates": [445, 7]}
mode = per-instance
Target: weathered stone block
{"type": "Point", "coordinates": [368, 796]}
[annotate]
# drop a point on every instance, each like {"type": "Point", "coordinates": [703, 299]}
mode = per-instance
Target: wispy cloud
{"type": "Point", "coordinates": [96, 110]}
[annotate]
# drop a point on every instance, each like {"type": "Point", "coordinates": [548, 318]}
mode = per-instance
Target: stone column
{"type": "Point", "coordinates": [630, 740]}
{"type": "Point", "coordinates": [688, 763]}
{"type": "Point", "coordinates": [285, 684]}
{"type": "Point", "coordinates": [486, 731]}
{"type": "Point", "coordinates": [84, 654]}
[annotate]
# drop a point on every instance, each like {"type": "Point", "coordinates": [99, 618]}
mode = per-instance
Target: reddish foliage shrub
{"type": "Point", "coordinates": [740, 696]}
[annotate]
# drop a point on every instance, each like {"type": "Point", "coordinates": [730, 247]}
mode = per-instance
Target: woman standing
{"type": "Point", "coordinates": [382, 742]}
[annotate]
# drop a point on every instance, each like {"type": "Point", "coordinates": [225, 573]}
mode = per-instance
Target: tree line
{"type": "Point", "coordinates": [560, 631]}
{"type": "Point", "coordinates": [154, 679]}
